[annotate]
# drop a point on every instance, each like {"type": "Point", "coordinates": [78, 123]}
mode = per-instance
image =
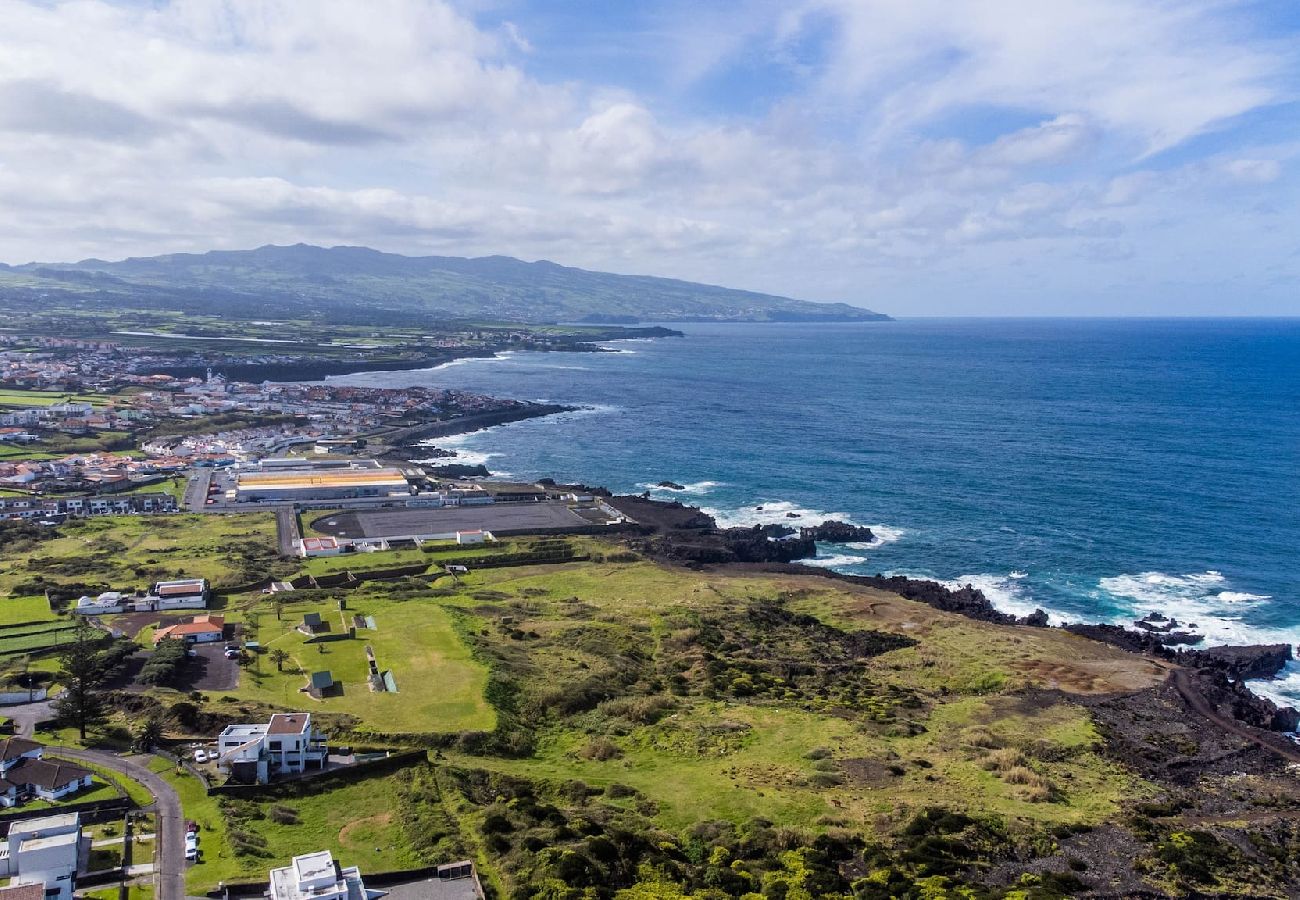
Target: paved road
{"type": "Point", "coordinates": [171, 822]}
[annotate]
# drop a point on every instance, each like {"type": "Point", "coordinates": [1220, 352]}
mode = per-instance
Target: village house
{"type": "Point", "coordinates": [48, 851]}
{"type": "Point", "coordinates": [24, 773]}
{"type": "Point", "coordinates": [197, 630]}
{"type": "Point", "coordinates": [286, 745]}
{"type": "Point", "coordinates": [189, 593]}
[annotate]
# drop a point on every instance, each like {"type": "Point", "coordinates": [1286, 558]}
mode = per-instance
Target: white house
{"type": "Point", "coordinates": [316, 876]}
{"type": "Point", "coordinates": [24, 773]}
{"type": "Point", "coordinates": [198, 630]}
{"type": "Point", "coordinates": [107, 602]}
{"type": "Point", "coordinates": [190, 593]}
{"type": "Point", "coordinates": [318, 546]}
{"type": "Point", "coordinates": [286, 745]}
{"type": "Point", "coordinates": [48, 850]}
{"type": "Point", "coordinates": [473, 537]}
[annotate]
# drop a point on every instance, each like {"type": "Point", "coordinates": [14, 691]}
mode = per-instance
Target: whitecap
{"type": "Point", "coordinates": [1241, 597]}
{"type": "Point", "coordinates": [1017, 574]}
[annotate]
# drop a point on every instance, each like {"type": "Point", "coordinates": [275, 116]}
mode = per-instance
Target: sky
{"type": "Point", "coordinates": [918, 157]}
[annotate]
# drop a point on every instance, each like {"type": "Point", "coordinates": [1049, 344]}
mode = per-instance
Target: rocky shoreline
{"type": "Point", "coordinates": [684, 535]}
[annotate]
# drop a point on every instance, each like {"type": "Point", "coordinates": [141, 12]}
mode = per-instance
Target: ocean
{"type": "Point", "coordinates": [1098, 469]}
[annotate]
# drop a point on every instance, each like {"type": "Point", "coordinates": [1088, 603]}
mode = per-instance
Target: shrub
{"type": "Point", "coordinates": [1004, 760]}
{"type": "Point", "coordinates": [282, 815]}
{"type": "Point", "coordinates": [600, 748]}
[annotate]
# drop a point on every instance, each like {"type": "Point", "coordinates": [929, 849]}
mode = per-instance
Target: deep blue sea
{"type": "Point", "coordinates": [1099, 469]}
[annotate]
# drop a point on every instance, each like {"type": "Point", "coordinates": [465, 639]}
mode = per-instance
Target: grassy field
{"type": "Point", "coordinates": [19, 398]}
{"type": "Point", "coordinates": [440, 688]}
{"type": "Point", "coordinates": [20, 639]}
{"type": "Point", "coordinates": [125, 552]}
{"type": "Point", "coordinates": [358, 822]}
{"type": "Point", "coordinates": [738, 758]}
{"type": "Point", "coordinates": [16, 610]}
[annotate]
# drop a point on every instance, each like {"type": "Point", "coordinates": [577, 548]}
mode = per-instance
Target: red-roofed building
{"type": "Point", "coordinates": [198, 630]}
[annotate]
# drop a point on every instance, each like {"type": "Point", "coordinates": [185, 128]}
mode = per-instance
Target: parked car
{"type": "Point", "coordinates": [192, 827]}
{"type": "Point", "coordinates": [232, 654]}
{"type": "Point", "coordinates": [191, 853]}
{"type": "Point", "coordinates": [200, 756]}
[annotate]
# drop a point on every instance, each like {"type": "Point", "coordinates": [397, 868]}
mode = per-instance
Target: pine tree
{"type": "Point", "coordinates": [82, 673]}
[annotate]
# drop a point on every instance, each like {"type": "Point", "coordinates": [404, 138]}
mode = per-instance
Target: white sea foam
{"type": "Point", "coordinates": [691, 487]}
{"type": "Point", "coordinates": [1199, 600]}
{"type": "Point", "coordinates": [616, 349]}
{"type": "Point", "coordinates": [1283, 689]}
{"type": "Point", "coordinates": [880, 535]}
{"type": "Point", "coordinates": [1241, 597]}
{"type": "Point", "coordinates": [773, 512]}
{"type": "Point", "coordinates": [835, 561]}
{"type": "Point", "coordinates": [1204, 603]}
{"type": "Point", "coordinates": [463, 455]}
{"type": "Point", "coordinates": [1007, 594]}
{"type": "Point", "coordinates": [499, 356]}
{"type": "Point", "coordinates": [1016, 574]}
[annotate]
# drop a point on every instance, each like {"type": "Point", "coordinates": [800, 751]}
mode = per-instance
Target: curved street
{"type": "Point", "coordinates": [169, 869]}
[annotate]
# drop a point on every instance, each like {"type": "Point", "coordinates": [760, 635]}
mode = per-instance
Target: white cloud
{"type": "Point", "coordinates": [136, 128]}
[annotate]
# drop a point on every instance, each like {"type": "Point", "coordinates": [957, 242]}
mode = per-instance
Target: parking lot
{"type": "Point", "coordinates": [552, 517]}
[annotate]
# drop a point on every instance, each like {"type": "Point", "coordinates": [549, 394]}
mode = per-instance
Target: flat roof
{"type": "Point", "coordinates": [243, 731]}
{"type": "Point", "coordinates": [54, 840]}
{"type": "Point", "coordinates": [301, 479]}
{"type": "Point", "coordinates": [313, 866]}
{"type": "Point", "coordinates": [62, 820]}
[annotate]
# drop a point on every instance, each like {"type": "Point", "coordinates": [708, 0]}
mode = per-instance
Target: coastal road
{"type": "Point", "coordinates": [170, 871]}
{"type": "Point", "coordinates": [1183, 682]}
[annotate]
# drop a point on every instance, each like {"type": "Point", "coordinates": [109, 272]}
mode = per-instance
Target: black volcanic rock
{"type": "Point", "coordinates": [458, 470]}
{"type": "Point", "coordinates": [1124, 638]}
{"type": "Point", "coordinates": [671, 485]}
{"type": "Point", "coordinates": [1252, 661]}
{"type": "Point", "coordinates": [833, 532]}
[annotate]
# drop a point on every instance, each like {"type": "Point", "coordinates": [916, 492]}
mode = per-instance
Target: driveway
{"type": "Point", "coordinates": [170, 871]}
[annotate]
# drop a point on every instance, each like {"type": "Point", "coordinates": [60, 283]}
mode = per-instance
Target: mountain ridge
{"type": "Point", "coordinates": [306, 278]}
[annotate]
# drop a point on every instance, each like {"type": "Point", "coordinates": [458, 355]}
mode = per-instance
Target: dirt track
{"type": "Point", "coordinates": [1182, 681]}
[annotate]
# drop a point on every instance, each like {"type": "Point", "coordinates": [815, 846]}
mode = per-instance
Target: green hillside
{"type": "Point", "coordinates": [319, 281]}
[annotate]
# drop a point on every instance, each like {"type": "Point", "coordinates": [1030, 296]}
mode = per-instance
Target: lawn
{"type": "Point", "coordinates": [126, 552]}
{"type": "Point", "coordinates": [356, 821]}
{"type": "Point", "coordinates": [440, 687]}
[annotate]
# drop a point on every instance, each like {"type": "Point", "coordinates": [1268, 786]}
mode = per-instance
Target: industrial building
{"type": "Point", "coordinates": [276, 482]}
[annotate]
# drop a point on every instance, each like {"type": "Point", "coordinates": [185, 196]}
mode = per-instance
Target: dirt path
{"type": "Point", "coordinates": [1184, 683]}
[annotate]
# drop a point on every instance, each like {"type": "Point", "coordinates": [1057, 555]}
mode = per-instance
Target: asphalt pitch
{"type": "Point", "coordinates": [505, 518]}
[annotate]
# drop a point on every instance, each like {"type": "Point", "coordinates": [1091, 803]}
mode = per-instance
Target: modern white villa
{"type": "Point", "coordinates": [316, 876]}
{"type": "Point", "coordinates": [47, 851]}
{"type": "Point", "coordinates": [286, 745]}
